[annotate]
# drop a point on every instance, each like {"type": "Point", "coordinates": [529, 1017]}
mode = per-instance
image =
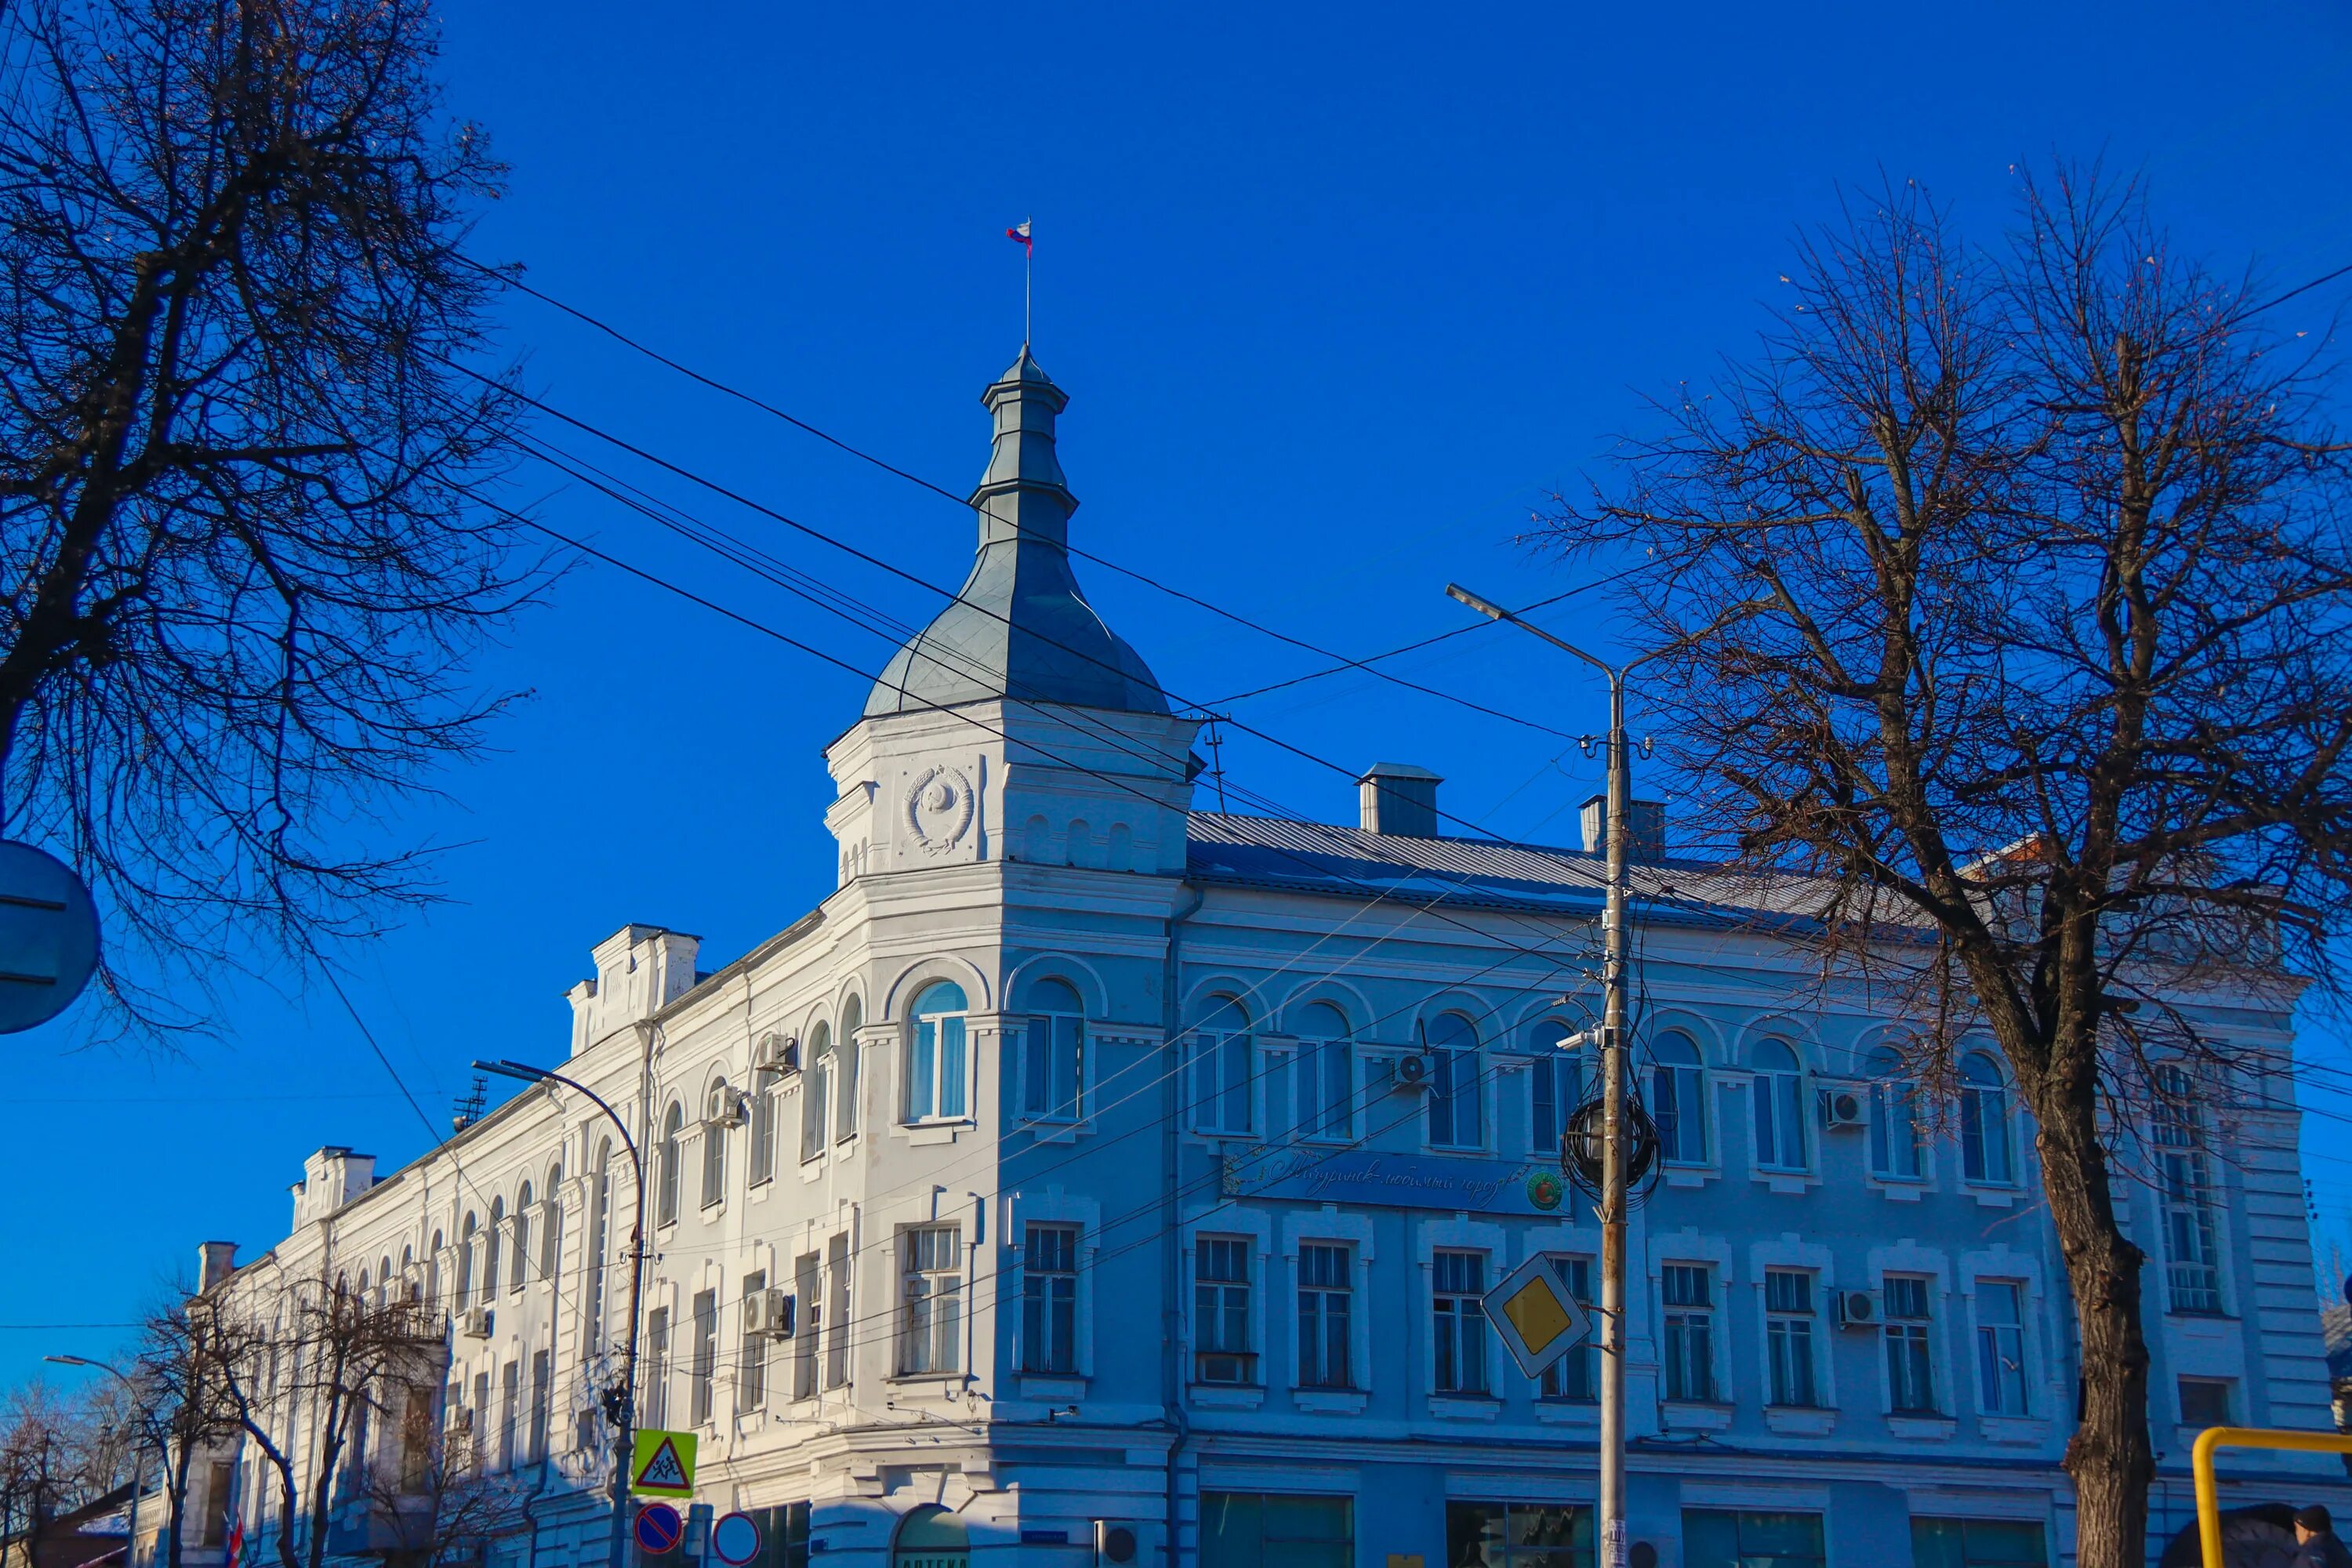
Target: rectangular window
{"type": "Point", "coordinates": [1575, 1376]}
{"type": "Point", "coordinates": [1458, 1325]}
{"type": "Point", "coordinates": [541, 1396]}
{"type": "Point", "coordinates": [2000, 1347]}
{"type": "Point", "coordinates": [1977, 1543]}
{"type": "Point", "coordinates": [1221, 1312]}
{"type": "Point", "coordinates": [805, 1333]}
{"type": "Point", "coordinates": [1558, 1089]}
{"type": "Point", "coordinates": [1678, 1102]}
{"type": "Point", "coordinates": [845, 1094]}
{"type": "Point", "coordinates": [763, 1136]}
{"type": "Point", "coordinates": [1327, 1078]}
{"type": "Point", "coordinates": [2205, 1401]}
{"type": "Point", "coordinates": [1518, 1535]}
{"type": "Point", "coordinates": [752, 1373]}
{"type": "Point", "coordinates": [931, 1285]}
{"type": "Point", "coordinates": [1895, 1146]}
{"type": "Point", "coordinates": [1052, 1067]}
{"type": "Point", "coordinates": [220, 1475]}
{"type": "Point", "coordinates": [1687, 1291]}
{"type": "Point", "coordinates": [1910, 1359]}
{"type": "Point", "coordinates": [657, 1373]}
{"type": "Point", "coordinates": [1455, 1114]}
{"type": "Point", "coordinates": [836, 1312]}
{"type": "Point", "coordinates": [1326, 1315]}
{"type": "Point", "coordinates": [783, 1537]}
{"type": "Point", "coordinates": [510, 1408]}
{"type": "Point", "coordinates": [1221, 1083]}
{"type": "Point", "coordinates": [816, 1089]}
{"type": "Point", "coordinates": [1268, 1530]}
{"type": "Point", "coordinates": [706, 1356]}
{"type": "Point", "coordinates": [1789, 1335]}
{"type": "Point", "coordinates": [1721, 1538]}
{"type": "Point", "coordinates": [1049, 1299]}
{"type": "Point", "coordinates": [935, 1058]}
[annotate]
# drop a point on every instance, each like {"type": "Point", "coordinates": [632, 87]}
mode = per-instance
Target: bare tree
{"type": "Point", "coordinates": [49, 1464]}
{"type": "Point", "coordinates": [314, 1387]}
{"type": "Point", "coordinates": [186, 1412]}
{"type": "Point", "coordinates": [433, 1493]}
{"type": "Point", "coordinates": [240, 562]}
{"type": "Point", "coordinates": [2039, 677]}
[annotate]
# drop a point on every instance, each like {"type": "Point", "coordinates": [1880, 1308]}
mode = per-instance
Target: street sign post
{"type": "Point", "coordinates": [48, 937]}
{"type": "Point", "coordinates": [663, 1465]}
{"type": "Point", "coordinates": [1536, 1318]}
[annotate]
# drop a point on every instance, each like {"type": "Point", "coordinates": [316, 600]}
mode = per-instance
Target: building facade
{"type": "Point", "coordinates": [1127, 1176]}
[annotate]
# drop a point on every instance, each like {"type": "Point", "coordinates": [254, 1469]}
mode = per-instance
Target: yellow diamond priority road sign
{"type": "Point", "coordinates": [663, 1465]}
{"type": "Point", "coordinates": [1538, 1320]}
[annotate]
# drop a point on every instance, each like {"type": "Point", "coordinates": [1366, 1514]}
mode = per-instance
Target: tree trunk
{"type": "Point", "coordinates": [2109, 1457]}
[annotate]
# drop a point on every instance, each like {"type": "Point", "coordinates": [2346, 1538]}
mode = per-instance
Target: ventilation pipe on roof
{"type": "Point", "coordinates": [1397, 798]}
{"type": "Point", "coordinates": [1646, 830]}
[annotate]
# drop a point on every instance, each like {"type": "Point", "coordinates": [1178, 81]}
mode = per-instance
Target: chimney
{"type": "Point", "coordinates": [1645, 830]}
{"type": "Point", "coordinates": [1397, 798]}
{"type": "Point", "coordinates": [215, 1262]}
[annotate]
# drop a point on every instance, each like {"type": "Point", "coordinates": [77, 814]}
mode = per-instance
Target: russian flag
{"type": "Point", "coordinates": [1019, 234]}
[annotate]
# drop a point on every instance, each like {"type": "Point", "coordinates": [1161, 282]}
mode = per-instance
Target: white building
{"type": "Point", "coordinates": [1097, 1201]}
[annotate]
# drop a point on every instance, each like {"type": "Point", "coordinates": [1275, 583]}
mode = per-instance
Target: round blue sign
{"type": "Point", "coordinates": [659, 1529]}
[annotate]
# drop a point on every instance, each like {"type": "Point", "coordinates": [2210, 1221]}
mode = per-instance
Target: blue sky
{"type": "Point", "coordinates": [1339, 294]}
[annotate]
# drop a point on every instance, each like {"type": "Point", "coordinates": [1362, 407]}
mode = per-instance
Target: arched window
{"type": "Point", "coordinates": [411, 1289]}
{"type": "Point", "coordinates": [935, 1054]}
{"type": "Point", "coordinates": [844, 1121]}
{"type": "Point", "coordinates": [1054, 1052]}
{"type": "Point", "coordinates": [432, 1270]}
{"type": "Point", "coordinates": [667, 1157]}
{"type": "Point", "coordinates": [599, 1228]}
{"type": "Point", "coordinates": [1779, 1105]}
{"type": "Point", "coordinates": [551, 1239]}
{"type": "Point", "coordinates": [932, 1536]}
{"type": "Point", "coordinates": [1455, 1121]}
{"type": "Point", "coordinates": [717, 1111]}
{"type": "Point", "coordinates": [1218, 1068]}
{"type": "Point", "coordinates": [466, 1264]}
{"type": "Point", "coordinates": [384, 1286]}
{"type": "Point", "coordinates": [1556, 1086]}
{"type": "Point", "coordinates": [494, 1249]}
{"type": "Point", "coordinates": [366, 1284]}
{"type": "Point", "coordinates": [2192, 1253]}
{"type": "Point", "coordinates": [816, 1089]}
{"type": "Point", "coordinates": [519, 1273]}
{"type": "Point", "coordinates": [1323, 1075]}
{"type": "Point", "coordinates": [1896, 1144]}
{"type": "Point", "coordinates": [1985, 1152]}
{"type": "Point", "coordinates": [766, 1092]}
{"type": "Point", "coordinates": [1678, 1098]}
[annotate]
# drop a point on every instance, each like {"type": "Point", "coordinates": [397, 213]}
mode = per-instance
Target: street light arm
{"type": "Point", "coordinates": [538, 1075]}
{"type": "Point", "coordinates": [1495, 612]}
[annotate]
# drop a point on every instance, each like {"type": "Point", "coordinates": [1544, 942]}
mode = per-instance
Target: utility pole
{"type": "Point", "coordinates": [624, 1418]}
{"type": "Point", "coordinates": [1610, 1211]}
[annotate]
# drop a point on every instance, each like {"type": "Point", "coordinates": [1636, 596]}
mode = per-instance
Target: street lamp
{"type": "Point", "coordinates": [138, 1451]}
{"type": "Point", "coordinates": [624, 1420]}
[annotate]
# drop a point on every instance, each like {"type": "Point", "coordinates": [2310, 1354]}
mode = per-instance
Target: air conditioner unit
{"type": "Point", "coordinates": [1127, 1543]}
{"type": "Point", "coordinates": [473, 1323]}
{"type": "Point", "coordinates": [1842, 1108]}
{"type": "Point", "coordinates": [731, 1109]}
{"type": "Point", "coordinates": [776, 1055]}
{"type": "Point", "coordinates": [769, 1314]}
{"type": "Point", "coordinates": [1856, 1309]}
{"type": "Point", "coordinates": [1411, 1073]}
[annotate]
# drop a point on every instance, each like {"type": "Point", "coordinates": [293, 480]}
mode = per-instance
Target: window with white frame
{"type": "Point", "coordinates": [764, 1096]}
{"type": "Point", "coordinates": [654, 1394]}
{"type": "Point", "coordinates": [1779, 1093]}
{"type": "Point", "coordinates": [1220, 1069]}
{"type": "Point", "coordinates": [816, 1090]}
{"type": "Point", "coordinates": [551, 1233]}
{"type": "Point", "coordinates": [703, 1372]}
{"type": "Point", "coordinates": [667, 1157]}
{"type": "Point", "coordinates": [931, 1294]}
{"type": "Point", "coordinates": [465, 1263]}
{"type": "Point", "coordinates": [845, 1094]}
{"type": "Point", "coordinates": [935, 1054]}
{"type": "Point", "coordinates": [1910, 1355]}
{"type": "Point", "coordinates": [717, 1107]}
{"type": "Point", "coordinates": [1327, 1295]}
{"type": "Point", "coordinates": [1985, 1149]}
{"type": "Point", "coordinates": [750, 1352]}
{"type": "Point", "coordinates": [2206, 1401]}
{"type": "Point", "coordinates": [1455, 1084]}
{"type": "Point", "coordinates": [1221, 1351]}
{"type": "Point", "coordinates": [1789, 1320]}
{"type": "Point", "coordinates": [1457, 1322]}
{"type": "Point", "coordinates": [1323, 1074]}
{"type": "Point", "coordinates": [1678, 1098]}
{"type": "Point", "coordinates": [1574, 1376]}
{"type": "Point", "coordinates": [1686, 1290]}
{"type": "Point", "coordinates": [494, 1239]}
{"type": "Point", "coordinates": [1053, 1053]}
{"type": "Point", "coordinates": [1049, 1299]}
{"type": "Point", "coordinates": [599, 1237]}
{"type": "Point", "coordinates": [1896, 1144]}
{"type": "Point", "coordinates": [2000, 1347]}
{"type": "Point", "coordinates": [2192, 1253]}
{"type": "Point", "coordinates": [1554, 1087]}
{"type": "Point", "coordinates": [519, 1269]}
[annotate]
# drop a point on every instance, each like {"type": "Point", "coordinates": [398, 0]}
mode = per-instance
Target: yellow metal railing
{"type": "Point", "coordinates": [2200, 1458]}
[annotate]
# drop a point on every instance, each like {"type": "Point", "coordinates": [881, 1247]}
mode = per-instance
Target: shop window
{"type": "Point", "coordinates": [1518, 1535]}
{"type": "Point", "coordinates": [1715, 1537]}
{"type": "Point", "coordinates": [1978, 1544]}
{"type": "Point", "coordinates": [1269, 1530]}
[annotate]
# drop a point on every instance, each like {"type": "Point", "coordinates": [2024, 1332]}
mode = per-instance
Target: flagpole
{"type": "Point", "coordinates": [1028, 283]}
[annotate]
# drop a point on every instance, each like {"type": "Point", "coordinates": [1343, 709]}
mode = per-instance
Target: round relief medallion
{"type": "Point", "coordinates": [939, 809]}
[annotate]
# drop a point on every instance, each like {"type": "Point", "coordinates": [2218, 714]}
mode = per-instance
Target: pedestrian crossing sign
{"type": "Point", "coordinates": [663, 1465]}
{"type": "Point", "coordinates": [1538, 1320]}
